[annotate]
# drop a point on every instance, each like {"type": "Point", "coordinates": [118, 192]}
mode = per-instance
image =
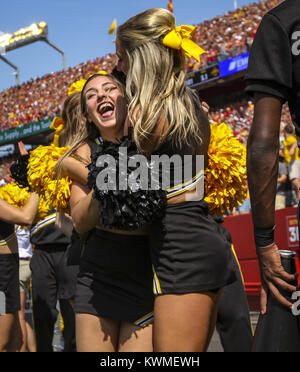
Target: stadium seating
{"type": "Point", "coordinates": [222, 37]}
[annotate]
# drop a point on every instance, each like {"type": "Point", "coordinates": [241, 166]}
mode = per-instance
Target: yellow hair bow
{"type": "Point", "coordinates": [76, 87]}
{"type": "Point", "coordinates": [101, 72]}
{"type": "Point", "coordinates": [57, 125]}
{"type": "Point", "coordinates": [183, 37]}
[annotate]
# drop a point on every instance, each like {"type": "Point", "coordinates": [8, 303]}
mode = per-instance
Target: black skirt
{"type": "Point", "coordinates": [9, 283]}
{"type": "Point", "coordinates": [190, 252]}
{"type": "Point", "coordinates": [115, 278]}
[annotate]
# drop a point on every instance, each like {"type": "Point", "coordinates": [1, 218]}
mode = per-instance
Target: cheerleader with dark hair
{"type": "Point", "coordinates": [114, 298]}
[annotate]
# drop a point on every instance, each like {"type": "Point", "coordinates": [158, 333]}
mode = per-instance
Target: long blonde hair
{"type": "Point", "coordinates": [76, 131]}
{"type": "Point", "coordinates": [72, 116]}
{"type": "Point", "coordinates": [156, 79]}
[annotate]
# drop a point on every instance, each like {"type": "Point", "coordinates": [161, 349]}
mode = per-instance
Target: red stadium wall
{"type": "Point", "coordinates": [241, 229]}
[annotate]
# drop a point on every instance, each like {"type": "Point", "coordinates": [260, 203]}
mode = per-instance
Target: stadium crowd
{"type": "Point", "coordinates": [222, 37]}
{"type": "Point", "coordinates": [231, 34]}
{"type": "Point", "coordinates": [23, 104]}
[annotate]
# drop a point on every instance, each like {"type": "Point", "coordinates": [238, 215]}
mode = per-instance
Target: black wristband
{"type": "Point", "coordinates": [264, 236]}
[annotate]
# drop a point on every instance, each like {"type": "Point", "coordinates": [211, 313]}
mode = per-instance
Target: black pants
{"type": "Point", "coordinates": [48, 266]}
{"type": "Point", "coordinates": [233, 322]}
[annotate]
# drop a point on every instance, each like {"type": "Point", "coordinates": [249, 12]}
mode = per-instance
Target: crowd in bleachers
{"type": "Point", "coordinates": [5, 164]}
{"type": "Point", "coordinates": [239, 117]}
{"type": "Point", "coordinates": [222, 37]}
{"type": "Point", "coordinates": [40, 98]}
{"type": "Point", "coordinates": [230, 34]}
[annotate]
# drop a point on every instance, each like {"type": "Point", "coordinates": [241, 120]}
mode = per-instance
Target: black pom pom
{"type": "Point", "coordinates": [19, 171]}
{"type": "Point", "coordinates": [132, 207]}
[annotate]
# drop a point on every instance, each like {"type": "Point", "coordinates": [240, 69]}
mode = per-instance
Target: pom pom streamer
{"type": "Point", "coordinates": [18, 170]}
{"type": "Point", "coordinates": [18, 196]}
{"type": "Point", "coordinates": [225, 176]}
{"type": "Point", "coordinates": [42, 177]}
{"type": "Point", "coordinates": [124, 209]}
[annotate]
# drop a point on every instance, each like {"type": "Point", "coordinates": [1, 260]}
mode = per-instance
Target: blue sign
{"type": "Point", "coordinates": [234, 65]}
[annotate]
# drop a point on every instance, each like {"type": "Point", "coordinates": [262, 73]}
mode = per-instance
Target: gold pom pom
{"type": "Point", "coordinates": [225, 176]}
{"type": "Point", "coordinates": [18, 197]}
{"type": "Point", "coordinates": [42, 177]}
{"type": "Point", "coordinates": [14, 195]}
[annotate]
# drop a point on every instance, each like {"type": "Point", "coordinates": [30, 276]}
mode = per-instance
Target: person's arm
{"type": "Point", "coordinates": [270, 72]}
{"type": "Point", "coordinates": [64, 223]}
{"type": "Point", "coordinates": [84, 209]}
{"type": "Point", "coordinates": [282, 179]}
{"type": "Point", "coordinates": [262, 165]}
{"type": "Point", "coordinates": [75, 169]}
{"type": "Point", "coordinates": [293, 149]}
{"type": "Point", "coordinates": [20, 216]}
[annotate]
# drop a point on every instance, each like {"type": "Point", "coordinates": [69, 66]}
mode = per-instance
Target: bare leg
{"type": "Point", "coordinates": [31, 343]}
{"type": "Point", "coordinates": [95, 334]}
{"type": "Point", "coordinates": [135, 339]}
{"type": "Point", "coordinates": [296, 185]}
{"type": "Point", "coordinates": [22, 322]}
{"type": "Point", "coordinates": [6, 328]}
{"type": "Point", "coordinates": [184, 323]}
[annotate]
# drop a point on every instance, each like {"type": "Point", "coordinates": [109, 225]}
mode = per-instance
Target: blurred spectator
{"type": "Point", "coordinates": [5, 164]}
{"type": "Point", "coordinates": [291, 157]}
{"type": "Point", "coordinates": [280, 201]}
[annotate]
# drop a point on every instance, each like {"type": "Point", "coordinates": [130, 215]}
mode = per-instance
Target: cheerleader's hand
{"type": "Point", "coordinates": [273, 276]}
{"type": "Point", "coordinates": [22, 148]}
{"type": "Point", "coordinates": [205, 107]}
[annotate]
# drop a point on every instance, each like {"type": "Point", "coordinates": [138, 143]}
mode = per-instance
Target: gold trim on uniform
{"type": "Point", "coordinates": [156, 284]}
{"type": "Point", "coordinates": [47, 221]}
{"type": "Point", "coordinates": [180, 189]}
{"type": "Point", "coordinates": [4, 242]}
{"type": "Point", "coordinates": [99, 141]}
{"type": "Point", "coordinates": [235, 255]}
{"type": "Point", "coordinates": [145, 320]}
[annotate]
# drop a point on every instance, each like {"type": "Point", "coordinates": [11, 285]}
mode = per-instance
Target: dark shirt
{"type": "Point", "coordinates": [45, 233]}
{"type": "Point", "coordinates": [6, 229]}
{"type": "Point", "coordinates": [274, 64]}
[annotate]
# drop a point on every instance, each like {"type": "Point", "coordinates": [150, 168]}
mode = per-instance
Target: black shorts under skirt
{"type": "Point", "coordinates": [190, 252]}
{"type": "Point", "coordinates": [115, 278]}
{"type": "Point", "coordinates": [9, 283]}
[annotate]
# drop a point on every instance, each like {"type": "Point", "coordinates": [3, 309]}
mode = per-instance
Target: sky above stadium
{"type": "Point", "coordinates": [80, 29]}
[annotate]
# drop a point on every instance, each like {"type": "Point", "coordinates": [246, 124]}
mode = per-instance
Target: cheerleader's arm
{"type": "Point", "coordinates": [75, 166]}
{"type": "Point", "coordinates": [20, 216]}
{"type": "Point", "coordinates": [64, 222]}
{"type": "Point", "coordinates": [84, 209]}
{"type": "Point", "coordinates": [76, 169]}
